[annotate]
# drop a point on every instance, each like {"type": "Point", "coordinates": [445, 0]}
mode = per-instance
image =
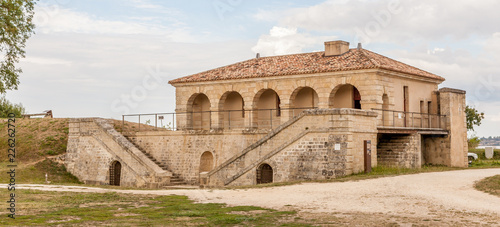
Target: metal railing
{"type": "Point", "coordinates": [262, 119]}
{"type": "Point", "coordinates": [206, 120]}
{"type": "Point", "coordinates": [393, 118]}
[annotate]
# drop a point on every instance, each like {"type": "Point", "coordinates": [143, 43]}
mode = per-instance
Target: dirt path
{"type": "Point", "coordinates": [428, 195]}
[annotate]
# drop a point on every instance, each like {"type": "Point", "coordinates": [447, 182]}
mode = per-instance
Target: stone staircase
{"type": "Point", "coordinates": [175, 179]}
{"type": "Point", "coordinates": [142, 172]}
{"type": "Point", "coordinates": [271, 144]}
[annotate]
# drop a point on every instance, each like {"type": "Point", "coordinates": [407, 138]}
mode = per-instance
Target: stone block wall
{"type": "Point", "coordinates": [452, 104]}
{"type": "Point", "coordinates": [399, 150]}
{"type": "Point", "coordinates": [435, 150]}
{"type": "Point", "coordinates": [93, 145]}
{"type": "Point", "coordinates": [307, 151]}
{"type": "Point", "coordinates": [181, 151]}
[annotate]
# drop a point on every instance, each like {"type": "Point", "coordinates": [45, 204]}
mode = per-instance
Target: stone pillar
{"type": "Point", "coordinates": [214, 115]}
{"type": "Point", "coordinates": [323, 101]}
{"type": "Point", "coordinates": [181, 119]}
{"type": "Point", "coordinates": [452, 104]}
{"type": "Point", "coordinates": [248, 120]}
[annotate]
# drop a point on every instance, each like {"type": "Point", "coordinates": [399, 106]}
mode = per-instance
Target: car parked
{"type": "Point", "coordinates": [472, 157]}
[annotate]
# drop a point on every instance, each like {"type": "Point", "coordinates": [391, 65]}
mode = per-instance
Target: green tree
{"type": "Point", "coordinates": [473, 117]}
{"type": "Point", "coordinates": [16, 27]}
{"type": "Point", "coordinates": [473, 142]}
{"type": "Point", "coordinates": [7, 107]}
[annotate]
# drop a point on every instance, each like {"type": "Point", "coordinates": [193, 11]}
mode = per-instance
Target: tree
{"type": "Point", "coordinates": [473, 117]}
{"type": "Point", "coordinates": [7, 107]}
{"type": "Point", "coordinates": [16, 27]}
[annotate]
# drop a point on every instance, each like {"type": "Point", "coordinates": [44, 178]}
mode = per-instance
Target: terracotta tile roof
{"type": "Point", "coordinates": [314, 62]}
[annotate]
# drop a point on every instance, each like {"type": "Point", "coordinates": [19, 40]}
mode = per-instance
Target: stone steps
{"type": "Point", "coordinates": [175, 180]}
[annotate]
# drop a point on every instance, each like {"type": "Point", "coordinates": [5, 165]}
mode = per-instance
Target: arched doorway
{"type": "Point", "coordinates": [206, 162]}
{"type": "Point", "coordinates": [345, 96]}
{"type": "Point", "coordinates": [303, 98]}
{"type": "Point", "coordinates": [232, 112]}
{"type": "Point", "coordinates": [199, 112]}
{"type": "Point", "coordinates": [267, 110]}
{"type": "Point", "coordinates": [264, 174]}
{"type": "Point", "coordinates": [115, 171]}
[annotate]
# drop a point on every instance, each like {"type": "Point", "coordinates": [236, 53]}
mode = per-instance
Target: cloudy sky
{"type": "Point", "coordinates": [106, 58]}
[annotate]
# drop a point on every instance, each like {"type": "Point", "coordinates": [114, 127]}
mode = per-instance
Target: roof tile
{"type": "Point", "coordinates": [306, 63]}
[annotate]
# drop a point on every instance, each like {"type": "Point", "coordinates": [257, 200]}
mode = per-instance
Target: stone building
{"type": "Point", "coordinates": [308, 116]}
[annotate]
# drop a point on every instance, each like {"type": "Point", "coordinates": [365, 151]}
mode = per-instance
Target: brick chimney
{"type": "Point", "coordinates": [338, 47]}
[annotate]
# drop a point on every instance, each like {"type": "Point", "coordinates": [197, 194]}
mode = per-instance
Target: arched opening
{"type": "Point", "coordinates": [206, 162]}
{"type": "Point", "coordinates": [345, 96]}
{"type": "Point", "coordinates": [264, 174]}
{"type": "Point", "coordinates": [199, 112]}
{"type": "Point", "coordinates": [302, 99]}
{"type": "Point", "coordinates": [267, 110]}
{"type": "Point", "coordinates": [115, 171]}
{"type": "Point", "coordinates": [232, 112]}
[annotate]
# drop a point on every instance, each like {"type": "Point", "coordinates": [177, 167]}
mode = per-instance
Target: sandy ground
{"type": "Point", "coordinates": [444, 195]}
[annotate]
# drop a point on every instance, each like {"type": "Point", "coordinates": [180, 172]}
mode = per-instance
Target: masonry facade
{"type": "Point", "coordinates": [302, 117]}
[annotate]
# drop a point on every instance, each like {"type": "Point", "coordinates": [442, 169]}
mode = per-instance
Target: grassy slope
{"type": "Point", "coordinates": [36, 139]}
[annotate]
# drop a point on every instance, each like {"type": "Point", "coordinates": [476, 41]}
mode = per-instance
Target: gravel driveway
{"type": "Point", "coordinates": [422, 195]}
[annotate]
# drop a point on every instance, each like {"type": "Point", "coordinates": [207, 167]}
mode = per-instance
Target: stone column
{"type": "Point", "coordinates": [214, 115]}
{"type": "Point", "coordinates": [452, 104]}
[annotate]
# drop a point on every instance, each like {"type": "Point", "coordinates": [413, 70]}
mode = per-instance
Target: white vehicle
{"type": "Point", "coordinates": [472, 157]}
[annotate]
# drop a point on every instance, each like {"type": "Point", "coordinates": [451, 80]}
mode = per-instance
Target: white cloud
{"type": "Point", "coordinates": [80, 75]}
{"type": "Point", "coordinates": [435, 50]}
{"type": "Point", "coordinates": [394, 20]}
{"type": "Point", "coordinates": [45, 61]}
{"type": "Point", "coordinates": [55, 19]}
{"type": "Point", "coordinates": [281, 40]}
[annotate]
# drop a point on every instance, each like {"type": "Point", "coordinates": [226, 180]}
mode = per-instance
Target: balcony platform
{"type": "Point", "coordinates": [407, 130]}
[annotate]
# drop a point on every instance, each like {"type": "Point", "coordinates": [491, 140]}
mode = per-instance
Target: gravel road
{"type": "Point", "coordinates": [422, 195]}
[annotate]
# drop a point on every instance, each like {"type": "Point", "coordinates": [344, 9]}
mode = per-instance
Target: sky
{"type": "Point", "coordinates": [105, 58]}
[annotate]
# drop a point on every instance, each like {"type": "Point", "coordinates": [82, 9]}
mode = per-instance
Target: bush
{"type": "Point", "coordinates": [6, 108]}
{"type": "Point", "coordinates": [473, 142]}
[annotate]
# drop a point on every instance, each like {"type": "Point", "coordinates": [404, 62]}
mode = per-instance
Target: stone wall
{"type": "Point", "coordinates": [306, 150]}
{"type": "Point", "coordinates": [435, 150]}
{"type": "Point", "coordinates": [93, 145]}
{"type": "Point", "coordinates": [452, 104]}
{"type": "Point", "coordinates": [371, 84]}
{"type": "Point", "coordinates": [181, 151]}
{"type": "Point", "coordinates": [399, 150]}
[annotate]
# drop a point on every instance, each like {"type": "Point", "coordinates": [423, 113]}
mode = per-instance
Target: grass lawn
{"type": "Point", "coordinates": [489, 185]}
{"type": "Point", "coordinates": [92, 209]}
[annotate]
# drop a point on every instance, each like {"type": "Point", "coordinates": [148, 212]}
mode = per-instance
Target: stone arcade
{"type": "Point", "coordinates": [282, 118]}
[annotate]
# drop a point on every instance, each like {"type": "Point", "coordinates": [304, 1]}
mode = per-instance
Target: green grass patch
{"type": "Point", "coordinates": [35, 174]}
{"type": "Point", "coordinates": [485, 163]}
{"type": "Point", "coordinates": [489, 185]}
{"type": "Point", "coordinates": [91, 209]}
{"type": "Point", "coordinates": [481, 155]}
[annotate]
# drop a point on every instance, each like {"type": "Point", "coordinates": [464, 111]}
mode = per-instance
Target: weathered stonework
{"type": "Point", "coordinates": [233, 128]}
{"type": "Point", "coordinates": [304, 149]}
{"type": "Point", "coordinates": [399, 150]}
{"type": "Point", "coordinates": [93, 145]}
